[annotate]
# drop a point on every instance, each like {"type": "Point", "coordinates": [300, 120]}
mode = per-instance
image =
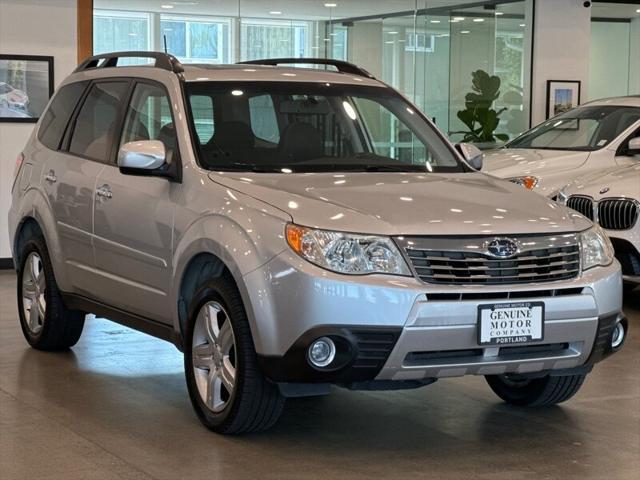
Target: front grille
{"type": "Point", "coordinates": [583, 205]}
{"type": "Point", "coordinates": [464, 267]}
{"type": "Point", "coordinates": [511, 295]}
{"type": "Point", "coordinates": [517, 352]}
{"type": "Point", "coordinates": [617, 214]}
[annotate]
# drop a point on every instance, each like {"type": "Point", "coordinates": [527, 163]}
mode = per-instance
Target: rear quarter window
{"type": "Point", "coordinates": [55, 119]}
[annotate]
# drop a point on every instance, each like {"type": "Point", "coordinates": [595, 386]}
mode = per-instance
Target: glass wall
{"type": "Point", "coordinates": [444, 55]}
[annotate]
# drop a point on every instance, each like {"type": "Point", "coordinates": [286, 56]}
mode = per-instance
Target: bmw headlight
{"type": "Point", "coordinates": [596, 248]}
{"type": "Point", "coordinates": [347, 253]}
{"type": "Point", "coordinates": [529, 182]}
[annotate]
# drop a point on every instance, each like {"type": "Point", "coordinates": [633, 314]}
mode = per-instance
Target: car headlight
{"type": "Point", "coordinates": [347, 253]}
{"type": "Point", "coordinates": [596, 248]}
{"type": "Point", "coordinates": [527, 181]}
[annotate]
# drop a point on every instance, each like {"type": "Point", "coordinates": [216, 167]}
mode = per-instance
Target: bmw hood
{"type": "Point", "coordinates": [406, 203]}
{"type": "Point", "coordinates": [552, 168]}
{"type": "Point", "coordinates": [614, 182]}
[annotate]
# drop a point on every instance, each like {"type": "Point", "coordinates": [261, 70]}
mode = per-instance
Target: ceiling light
{"type": "Point", "coordinates": [478, 20]}
{"type": "Point", "coordinates": [465, 31]}
{"type": "Point", "coordinates": [522, 24]}
{"type": "Point", "coordinates": [392, 33]}
{"type": "Point", "coordinates": [435, 21]}
{"type": "Point", "coordinates": [499, 13]}
{"type": "Point", "coordinates": [236, 93]}
{"type": "Point", "coordinates": [275, 12]}
{"type": "Point", "coordinates": [390, 41]}
{"type": "Point", "coordinates": [458, 19]}
{"type": "Point", "coordinates": [330, 5]}
{"type": "Point", "coordinates": [168, 7]}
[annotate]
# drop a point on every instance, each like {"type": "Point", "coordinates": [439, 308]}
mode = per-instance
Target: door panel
{"type": "Point", "coordinates": [133, 219]}
{"type": "Point", "coordinates": [69, 183]}
{"type": "Point", "coordinates": [133, 242]}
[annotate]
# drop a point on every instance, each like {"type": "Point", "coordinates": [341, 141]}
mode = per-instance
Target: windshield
{"type": "Point", "coordinates": [307, 127]}
{"type": "Point", "coordinates": [583, 128]}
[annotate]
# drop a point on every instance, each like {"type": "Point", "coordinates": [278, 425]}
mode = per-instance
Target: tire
{"type": "Point", "coordinates": [229, 404]}
{"type": "Point", "coordinates": [628, 288]}
{"type": "Point", "coordinates": [47, 324]}
{"type": "Point", "coordinates": [535, 392]}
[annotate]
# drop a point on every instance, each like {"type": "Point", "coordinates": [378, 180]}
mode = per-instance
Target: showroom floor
{"type": "Point", "coordinates": [116, 406]}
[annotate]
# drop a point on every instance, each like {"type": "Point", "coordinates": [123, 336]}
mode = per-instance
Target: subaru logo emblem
{"type": "Point", "coordinates": [502, 248]}
{"type": "Point", "coordinates": [604, 190]}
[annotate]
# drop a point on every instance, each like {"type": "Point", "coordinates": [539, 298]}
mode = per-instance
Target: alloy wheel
{"type": "Point", "coordinates": [213, 353]}
{"type": "Point", "coordinates": [34, 286]}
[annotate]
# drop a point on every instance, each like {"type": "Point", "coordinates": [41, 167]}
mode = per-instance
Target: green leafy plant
{"type": "Point", "coordinates": [479, 116]}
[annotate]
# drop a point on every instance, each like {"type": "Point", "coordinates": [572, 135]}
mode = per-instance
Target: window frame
{"type": "Point", "coordinates": [174, 171]}
{"type": "Point", "coordinates": [118, 120]}
{"type": "Point", "coordinates": [79, 103]}
{"type": "Point", "coordinates": [123, 108]}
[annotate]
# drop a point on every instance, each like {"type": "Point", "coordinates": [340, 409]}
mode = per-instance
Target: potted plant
{"type": "Point", "coordinates": [479, 116]}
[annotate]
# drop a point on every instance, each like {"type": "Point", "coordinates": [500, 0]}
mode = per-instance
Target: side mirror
{"type": "Point", "coordinates": [142, 157]}
{"type": "Point", "coordinates": [472, 154]}
{"type": "Point", "coordinates": [634, 146]}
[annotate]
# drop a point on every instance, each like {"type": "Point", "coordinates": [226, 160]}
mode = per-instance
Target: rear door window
{"type": "Point", "coordinates": [96, 122]}
{"type": "Point", "coordinates": [55, 119]}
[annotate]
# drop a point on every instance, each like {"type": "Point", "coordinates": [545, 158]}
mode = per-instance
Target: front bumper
{"type": "Point", "coordinates": [417, 331]}
{"type": "Point", "coordinates": [626, 244]}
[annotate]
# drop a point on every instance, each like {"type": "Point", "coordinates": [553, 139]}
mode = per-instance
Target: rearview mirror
{"type": "Point", "coordinates": [145, 155]}
{"type": "Point", "coordinates": [634, 146]}
{"type": "Point", "coordinates": [472, 154]}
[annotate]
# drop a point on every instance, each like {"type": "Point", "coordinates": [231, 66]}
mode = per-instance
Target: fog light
{"type": "Point", "coordinates": [617, 338]}
{"type": "Point", "coordinates": [322, 352]}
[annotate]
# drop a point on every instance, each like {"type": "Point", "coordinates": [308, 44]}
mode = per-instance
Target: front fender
{"type": "Point", "coordinates": [244, 240]}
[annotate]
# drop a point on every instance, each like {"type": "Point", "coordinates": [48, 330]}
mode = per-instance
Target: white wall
{"type": "Point", "coordinates": [609, 60]}
{"type": "Point", "coordinates": [634, 56]}
{"type": "Point", "coordinates": [562, 34]}
{"type": "Point", "coordinates": [31, 27]}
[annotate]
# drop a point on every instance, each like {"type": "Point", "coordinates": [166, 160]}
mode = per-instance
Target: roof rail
{"type": "Point", "coordinates": [341, 65]}
{"type": "Point", "coordinates": [105, 60]}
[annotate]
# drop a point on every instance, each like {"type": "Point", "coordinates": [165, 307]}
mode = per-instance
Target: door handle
{"type": "Point", "coordinates": [104, 191]}
{"type": "Point", "coordinates": [51, 177]}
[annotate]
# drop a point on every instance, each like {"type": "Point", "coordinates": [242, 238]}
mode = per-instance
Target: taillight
{"type": "Point", "coordinates": [16, 170]}
{"type": "Point", "coordinates": [19, 160]}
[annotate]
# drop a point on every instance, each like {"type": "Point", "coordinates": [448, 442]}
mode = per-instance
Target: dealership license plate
{"type": "Point", "coordinates": [509, 323]}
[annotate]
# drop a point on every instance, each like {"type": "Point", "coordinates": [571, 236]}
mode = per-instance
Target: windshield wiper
{"type": "Point", "coordinates": [394, 168]}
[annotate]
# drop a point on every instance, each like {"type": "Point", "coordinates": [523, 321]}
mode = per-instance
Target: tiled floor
{"type": "Point", "coordinates": [116, 406]}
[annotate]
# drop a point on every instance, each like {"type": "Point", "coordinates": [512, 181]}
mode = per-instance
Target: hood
{"type": "Point", "coordinates": [553, 168]}
{"type": "Point", "coordinates": [613, 182]}
{"type": "Point", "coordinates": [406, 203]}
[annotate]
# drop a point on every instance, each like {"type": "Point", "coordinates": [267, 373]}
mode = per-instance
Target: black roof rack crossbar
{"type": "Point", "coordinates": [105, 60]}
{"type": "Point", "coordinates": [340, 65]}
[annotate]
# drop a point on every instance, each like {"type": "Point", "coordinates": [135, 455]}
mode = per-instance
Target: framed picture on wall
{"type": "Point", "coordinates": [562, 95]}
{"type": "Point", "coordinates": [26, 84]}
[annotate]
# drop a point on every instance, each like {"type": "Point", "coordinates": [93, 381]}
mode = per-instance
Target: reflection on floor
{"type": "Point", "coordinates": [116, 406]}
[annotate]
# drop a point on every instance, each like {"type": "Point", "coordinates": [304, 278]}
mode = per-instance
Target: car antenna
{"type": "Point", "coordinates": [164, 41]}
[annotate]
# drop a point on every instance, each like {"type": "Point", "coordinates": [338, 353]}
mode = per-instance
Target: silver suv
{"type": "Point", "coordinates": [290, 229]}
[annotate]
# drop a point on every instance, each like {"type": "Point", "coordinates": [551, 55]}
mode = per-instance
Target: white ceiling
{"type": "Point", "coordinates": [296, 9]}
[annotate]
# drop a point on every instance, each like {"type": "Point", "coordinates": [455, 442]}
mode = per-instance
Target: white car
{"type": "Point", "coordinates": [612, 199]}
{"type": "Point", "coordinates": [584, 140]}
{"type": "Point", "coordinates": [12, 98]}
